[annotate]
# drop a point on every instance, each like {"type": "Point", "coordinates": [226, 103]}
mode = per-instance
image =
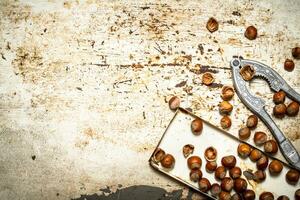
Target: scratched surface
{"type": "Point", "coordinates": [84, 85]}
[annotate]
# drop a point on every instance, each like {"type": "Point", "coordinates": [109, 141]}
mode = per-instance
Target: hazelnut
{"type": "Point", "coordinates": [255, 155]}
{"type": "Point", "coordinates": [275, 167]}
{"type": "Point", "coordinates": [207, 78]}
{"type": "Point", "coordinates": [283, 197]}
{"type": "Point", "coordinates": [252, 121]}
{"type": "Point", "coordinates": [215, 189]}
{"type": "Point", "coordinates": [271, 147]}
{"type": "Point", "coordinates": [168, 161]}
{"type": "Point", "coordinates": [244, 133]}
{"type": "Point", "coordinates": [251, 33]}
{"type": "Point", "coordinates": [195, 175]}
{"type": "Point", "coordinates": [297, 194]}
{"type": "Point", "coordinates": [235, 172]}
{"type": "Point", "coordinates": [292, 109]}
{"type": "Point", "coordinates": [249, 195]}
{"type": "Point", "coordinates": [289, 65]}
{"type": "Point", "coordinates": [259, 176]}
{"type": "Point", "coordinates": [197, 126]}
{"type": "Point", "coordinates": [225, 122]}
{"type": "Point", "coordinates": [244, 150]}
{"type": "Point", "coordinates": [266, 196]}
{"type": "Point", "coordinates": [227, 184]}
{"type": "Point", "coordinates": [174, 103]}
{"type": "Point", "coordinates": [210, 154]}
{"type": "Point", "coordinates": [220, 172]}
{"type": "Point", "coordinates": [236, 196]}
{"type": "Point", "coordinates": [158, 155]}
{"type": "Point", "coordinates": [279, 97]}
{"type": "Point", "coordinates": [224, 195]}
{"type": "Point", "coordinates": [187, 150]}
{"type": "Point", "coordinates": [240, 185]}
{"type": "Point", "coordinates": [292, 176]}
{"type": "Point", "coordinates": [212, 25]}
{"type": "Point", "coordinates": [204, 184]}
{"type": "Point", "coordinates": [279, 110]}
{"type": "Point", "coordinates": [194, 162]}
{"type": "Point", "coordinates": [247, 72]}
{"type": "Point", "coordinates": [296, 52]}
{"type": "Point", "coordinates": [260, 138]}
{"type": "Point", "coordinates": [227, 93]}
{"type": "Point", "coordinates": [211, 166]}
{"type": "Point", "coordinates": [225, 107]}
{"type": "Point", "coordinates": [262, 163]}
{"type": "Point", "coordinates": [228, 161]}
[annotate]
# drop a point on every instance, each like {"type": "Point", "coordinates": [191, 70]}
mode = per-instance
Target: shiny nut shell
{"type": "Point", "coordinates": [251, 33]}
{"type": "Point", "coordinates": [279, 97]}
{"type": "Point", "coordinates": [194, 162]}
{"type": "Point", "coordinates": [174, 103]}
{"type": "Point", "coordinates": [266, 196]}
{"type": "Point", "coordinates": [296, 52]}
{"type": "Point", "coordinates": [289, 65]}
{"type": "Point", "coordinates": [271, 146]}
{"type": "Point", "coordinates": [235, 172]}
{"type": "Point", "coordinates": [228, 161]}
{"type": "Point", "coordinates": [255, 155]}
{"type": "Point", "coordinates": [168, 161]}
{"type": "Point", "coordinates": [225, 108]}
{"type": "Point", "coordinates": [220, 172]}
{"type": "Point", "coordinates": [249, 195]}
{"type": "Point", "coordinates": [259, 176]}
{"type": "Point", "coordinates": [197, 126]}
{"type": "Point", "coordinates": [227, 93]}
{"type": "Point", "coordinates": [224, 195]}
{"type": "Point", "coordinates": [225, 122]}
{"type": "Point", "coordinates": [279, 110]}
{"type": "Point", "coordinates": [275, 167]}
{"type": "Point", "coordinates": [195, 175]}
{"type": "Point", "coordinates": [297, 194]}
{"type": "Point", "coordinates": [240, 185]}
{"type": "Point", "coordinates": [252, 121]}
{"type": "Point", "coordinates": [211, 166]}
{"type": "Point", "coordinates": [292, 109]}
{"type": "Point", "coordinates": [210, 154]}
{"type": "Point", "coordinates": [215, 189]}
{"type": "Point", "coordinates": [292, 176]}
{"type": "Point", "coordinates": [260, 138]}
{"type": "Point", "coordinates": [204, 185]}
{"type": "Point", "coordinates": [262, 163]}
{"type": "Point", "coordinates": [227, 184]}
{"type": "Point", "coordinates": [244, 150]}
{"type": "Point", "coordinates": [244, 133]}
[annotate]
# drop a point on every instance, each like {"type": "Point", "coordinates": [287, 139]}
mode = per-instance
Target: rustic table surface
{"type": "Point", "coordinates": [84, 87]}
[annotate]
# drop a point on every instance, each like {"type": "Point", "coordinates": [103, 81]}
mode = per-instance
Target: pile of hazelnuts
{"type": "Point", "coordinates": [225, 106]}
{"type": "Point", "coordinates": [280, 109]}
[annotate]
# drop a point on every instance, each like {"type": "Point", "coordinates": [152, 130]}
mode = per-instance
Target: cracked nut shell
{"type": "Point", "coordinates": [187, 150]}
{"type": "Point", "coordinates": [212, 25]}
{"type": "Point", "coordinates": [292, 176]}
{"type": "Point", "coordinates": [271, 146]}
{"type": "Point", "coordinates": [207, 78]}
{"type": "Point", "coordinates": [247, 72]}
{"type": "Point", "coordinates": [251, 33]}
{"type": "Point", "coordinates": [260, 138]}
{"type": "Point", "coordinates": [227, 93]}
{"type": "Point", "coordinates": [168, 161]}
{"type": "Point", "coordinates": [210, 153]}
{"type": "Point", "coordinates": [252, 121]}
{"type": "Point", "coordinates": [158, 155]}
{"type": "Point", "coordinates": [292, 109]}
{"type": "Point", "coordinates": [197, 126]}
{"type": "Point", "coordinates": [194, 162]}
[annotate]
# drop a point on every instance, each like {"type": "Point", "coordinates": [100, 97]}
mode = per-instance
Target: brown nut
{"type": "Point", "coordinates": [244, 150]}
{"type": "Point", "coordinates": [194, 162]}
{"type": "Point", "coordinates": [224, 195]}
{"type": "Point", "coordinates": [247, 72]}
{"type": "Point", "coordinates": [187, 150]}
{"type": "Point", "coordinates": [266, 196]}
{"type": "Point", "coordinates": [215, 189]}
{"type": "Point", "coordinates": [296, 52]}
{"type": "Point", "coordinates": [227, 184]}
{"type": "Point", "coordinates": [283, 197]}
{"type": "Point", "coordinates": [292, 109]}
{"type": "Point", "coordinates": [168, 161]}
{"type": "Point", "coordinates": [227, 93]}
{"type": "Point", "coordinates": [240, 185]}
{"type": "Point", "coordinates": [174, 103]}
{"type": "Point", "coordinates": [211, 166]}
{"type": "Point", "coordinates": [225, 107]}
{"type": "Point", "coordinates": [251, 33]}
{"type": "Point", "coordinates": [207, 78]}
{"type": "Point", "coordinates": [197, 126]}
{"type": "Point", "coordinates": [249, 195]}
{"type": "Point", "coordinates": [204, 185]}
{"type": "Point", "coordinates": [271, 147]}
{"type": "Point", "coordinates": [259, 176]}
{"type": "Point", "coordinates": [275, 167]}
{"type": "Point", "coordinates": [212, 25]}
{"type": "Point", "coordinates": [225, 122]}
{"type": "Point", "coordinates": [297, 194]}
{"type": "Point", "coordinates": [289, 65]}
{"type": "Point", "coordinates": [260, 138]}
{"type": "Point", "coordinates": [220, 172]}
{"type": "Point", "coordinates": [158, 155]}
{"type": "Point", "coordinates": [244, 133]}
{"type": "Point", "coordinates": [292, 176]}
{"type": "Point", "coordinates": [279, 97]}
{"type": "Point", "coordinates": [235, 172]}
{"type": "Point", "coordinates": [236, 196]}
{"type": "Point", "coordinates": [255, 155]}
{"type": "Point", "coordinates": [279, 110]}
{"type": "Point", "coordinates": [252, 121]}
{"type": "Point", "coordinates": [262, 163]}
{"type": "Point", "coordinates": [228, 161]}
{"type": "Point", "coordinates": [195, 175]}
{"type": "Point", "coordinates": [210, 154]}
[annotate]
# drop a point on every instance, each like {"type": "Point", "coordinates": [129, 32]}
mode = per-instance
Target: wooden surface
{"type": "Point", "coordinates": [84, 84]}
